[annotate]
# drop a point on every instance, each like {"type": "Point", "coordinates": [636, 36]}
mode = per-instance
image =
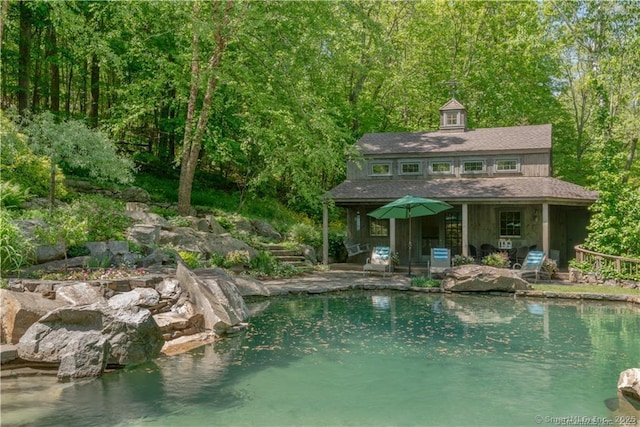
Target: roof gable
{"type": "Point", "coordinates": [453, 104]}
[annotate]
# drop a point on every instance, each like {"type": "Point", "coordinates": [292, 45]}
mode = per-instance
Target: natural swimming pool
{"type": "Point", "coordinates": [366, 358]}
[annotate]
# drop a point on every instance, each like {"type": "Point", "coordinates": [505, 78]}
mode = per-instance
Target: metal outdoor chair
{"type": "Point", "coordinates": [532, 266]}
{"type": "Point", "coordinates": [380, 260]}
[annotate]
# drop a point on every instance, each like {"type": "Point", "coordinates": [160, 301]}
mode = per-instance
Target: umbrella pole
{"type": "Point", "coordinates": [409, 242]}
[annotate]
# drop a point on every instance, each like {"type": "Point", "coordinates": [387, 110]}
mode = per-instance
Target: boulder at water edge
{"type": "Point", "coordinates": [215, 295]}
{"type": "Point", "coordinates": [85, 339]}
{"type": "Point", "coordinates": [20, 310]}
{"type": "Point", "coordinates": [482, 278]}
{"type": "Point", "coordinates": [629, 383]}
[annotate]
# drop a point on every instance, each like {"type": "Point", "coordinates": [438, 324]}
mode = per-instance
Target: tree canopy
{"type": "Point", "coordinates": [270, 96]}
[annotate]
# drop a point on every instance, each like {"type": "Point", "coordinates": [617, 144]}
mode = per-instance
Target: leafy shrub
{"type": "Point", "coordinates": [216, 260]}
{"type": "Point", "coordinates": [15, 249]}
{"type": "Point", "coordinates": [305, 234]}
{"type": "Point", "coordinates": [12, 195]}
{"type": "Point", "coordinates": [191, 259]}
{"type": "Point", "coordinates": [77, 250]}
{"type": "Point", "coordinates": [22, 166]}
{"type": "Point", "coordinates": [424, 282]}
{"type": "Point", "coordinates": [179, 221]}
{"type": "Point", "coordinates": [550, 266]}
{"type": "Point", "coordinates": [336, 244]}
{"type": "Point", "coordinates": [236, 258]}
{"type": "Point", "coordinates": [462, 260]}
{"type": "Point", "coordinates": [497, 259]}
{"type": "Point", "coordinates": [106, 218]}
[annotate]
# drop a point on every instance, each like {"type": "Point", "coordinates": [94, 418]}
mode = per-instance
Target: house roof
{"type": "Point", "coordinates": [476, 190]}
{"type": "Point", "coordinates": [453, 104]}
{"type": "Point", "coordinates": [514, 138]}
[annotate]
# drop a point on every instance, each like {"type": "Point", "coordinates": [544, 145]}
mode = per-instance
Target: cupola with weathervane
{"type": "Point", "coordinates": [453, 117]}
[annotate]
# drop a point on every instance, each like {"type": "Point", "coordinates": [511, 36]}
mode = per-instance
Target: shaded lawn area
{"type": "Point", "coordinates": [595, 289]}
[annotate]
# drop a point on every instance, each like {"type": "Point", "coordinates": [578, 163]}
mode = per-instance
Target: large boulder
{"type": "Point", "coordinates": [149, 218]}
{"type": "Point", "coordinates": [135, 194]}
{"type": "Point", "coordinates": [85, 339]}
{"type": "Point", "coordinates": [144, 234]}
{"type": "Point", "coordinates": [215, 295]}
{"type": "Point", "coordinates": [248, 286]}
{"type": "Point", "coordinates": [79, 294]}
{"type": "Point", "coordinates": [629, 383]}
{"type": "Point", "coordinates": [265, 229]}
{"type": "Point", "coordinates": [482, 278]}
{"type": "Point", "coordinates": [20, 310]}
{"type": "Point", "coordinates": [43, 252]}
{"type": "Point", "coordinates": [188, 239]}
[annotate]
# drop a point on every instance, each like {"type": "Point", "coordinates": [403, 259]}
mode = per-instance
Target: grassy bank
{"type": "Point", "coordinates": [586, 289]}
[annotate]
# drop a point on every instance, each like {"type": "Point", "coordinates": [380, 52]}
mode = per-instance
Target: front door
{"type": "Point", "coordinates": [453, 232]}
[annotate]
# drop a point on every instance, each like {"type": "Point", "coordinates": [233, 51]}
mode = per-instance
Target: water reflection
{"type": "Point", "coordinates": [418, 356]}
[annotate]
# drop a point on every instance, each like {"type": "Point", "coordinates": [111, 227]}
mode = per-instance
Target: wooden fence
{"type": "Point", "coordinates": [628, 268]}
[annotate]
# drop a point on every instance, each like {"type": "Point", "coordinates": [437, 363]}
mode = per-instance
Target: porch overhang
{"type": "Point", "coordinates": [491, 190]}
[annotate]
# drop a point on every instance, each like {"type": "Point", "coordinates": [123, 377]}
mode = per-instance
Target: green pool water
{"type": "Point", "coordinates": [366, 359]}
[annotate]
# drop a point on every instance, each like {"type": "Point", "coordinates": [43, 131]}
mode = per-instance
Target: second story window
{"type": "Point", "coordinates": [380, 169]}
{"type": "Point", "coordinates": [441, 167]}
{"type": "Point", "coordinates": [410, 168]}
{"type": "Point", "coordinates": [507, 165]}
{"type": "Point", "coordinates": [473, 166]}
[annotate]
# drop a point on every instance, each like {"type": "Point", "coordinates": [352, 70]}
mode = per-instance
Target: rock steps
{"type": "Point", "coordinates": [289, 256]}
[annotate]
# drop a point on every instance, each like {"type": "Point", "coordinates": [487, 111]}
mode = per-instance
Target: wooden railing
{"type": "Point", "coordinates": [624, 267]}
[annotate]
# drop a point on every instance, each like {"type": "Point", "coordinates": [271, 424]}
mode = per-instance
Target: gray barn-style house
{"type": "Point", "coordinates": [499, 181]}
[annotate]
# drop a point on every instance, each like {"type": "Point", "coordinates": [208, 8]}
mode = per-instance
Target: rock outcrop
{"type": "Point", "coordinates": [482, 278]}
{"type": "Point", "coordinates": [629, 383]}
{"type": "Point", "coordinates": [215, 296]}
{"type": "Point", "coordinates": [85, 339]}
{"type": "Point", "coordinates": [19, 310]}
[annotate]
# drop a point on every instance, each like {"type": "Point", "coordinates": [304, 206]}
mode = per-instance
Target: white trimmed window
{"type": "Point", "coordinates": [410, 168]}
{"type": "Point", "coordinates": [442, 167]}
{"type": "Point", "coordinates": [507, 165]}
{"type": "Point", "coordinates": [451, 119]}
{"type": "Point", "coordinates": [378, 227]}
{"type": "Point", "coordinates": [473, 166]}
{"type": "Point", "coordinates": [380, 168]}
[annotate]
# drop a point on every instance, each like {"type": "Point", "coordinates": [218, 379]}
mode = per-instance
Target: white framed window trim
{"type": "Point", "coordinates": [507, 165]}
{"type": "Point", "coordinates": [441, 167]}
{"type": "Point", "coordinates": [471, 166]}
{"type": "Point", "coordinates": [410, 167]}
{"type": "Point", "coordinates": [378, 168]}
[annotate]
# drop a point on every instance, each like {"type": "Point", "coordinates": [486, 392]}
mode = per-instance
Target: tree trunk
{"type": "Point", "coordinates": [54, 71]}
{"type": "Point", "coordinates": [95, 91]}
{"type": "Point", "coordinates": [630, 156]}
{"type": "Point", "coordinates": [24, 59]}
{"type": "Point", "coordinates": [193, 137]}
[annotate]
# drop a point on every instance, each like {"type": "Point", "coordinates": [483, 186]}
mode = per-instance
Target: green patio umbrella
{"type": "Point", "coordinates": [408, 207]}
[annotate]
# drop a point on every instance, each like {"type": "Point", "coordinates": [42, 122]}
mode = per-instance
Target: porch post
{"type": "Point", "coordinates": [325, 234]}
{"type": "Point", "coordinates": [545, 228]}
{"type": "Point", "coordinates": [465, 229]}
{"type": "Point", "coordinates": [392, 234]}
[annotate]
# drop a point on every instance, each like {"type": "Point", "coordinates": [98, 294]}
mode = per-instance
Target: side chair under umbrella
{"type": "Point", "coordinates": [408, 207]}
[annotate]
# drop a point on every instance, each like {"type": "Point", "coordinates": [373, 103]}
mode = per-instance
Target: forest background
{"type": "Point", "coordinates": [265, 99]}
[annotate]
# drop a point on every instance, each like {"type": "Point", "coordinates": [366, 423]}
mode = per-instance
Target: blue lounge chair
{"type": "Point", "coordinates": [532, 266]}
{"type": "Point", "coordinates": [380, 260]}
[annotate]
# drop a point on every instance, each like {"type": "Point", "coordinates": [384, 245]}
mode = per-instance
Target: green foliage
{"type": "Point", "coordinates": [78, 148]}
{"type": "Point", "coordinates": [31, 173]}
{"type": "Point", "coordinates": [12, 195]}
{"type": "Point", "coordinates": [67, 226]}
{"type": "Point", "coordinates": [462, 260]}
{"type": "Point", "coordinates": [336, 244]}
{"type": "Point", "coordinates": [77, 250]}
{"type": "Point", "coordinates": [497, 259]}
{"type": "Point", "coordinates": [216, 260]}
{"type": "Point", "coordinates": [266, 265]}
{"type": "Point", "coordinates": [238, 257]}
{"type": "Point", "coordinates": [179, 221]}
{"type": "Point", "coordinates": [305, 234]}
{"type": "Point", "coordinates": [15, 249]}
{"type": "Point", "coordinates": [191, 259]}
{"type": "Point", "coordinates": [424, 282]}
{"type": "Point", "coordinates": [615, 222]}
{"type": "Point", "coordinates": [105, 218]}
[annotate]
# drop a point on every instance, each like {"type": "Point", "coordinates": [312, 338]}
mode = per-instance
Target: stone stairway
{"type": "Point", "coordinates": [289, 256]}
